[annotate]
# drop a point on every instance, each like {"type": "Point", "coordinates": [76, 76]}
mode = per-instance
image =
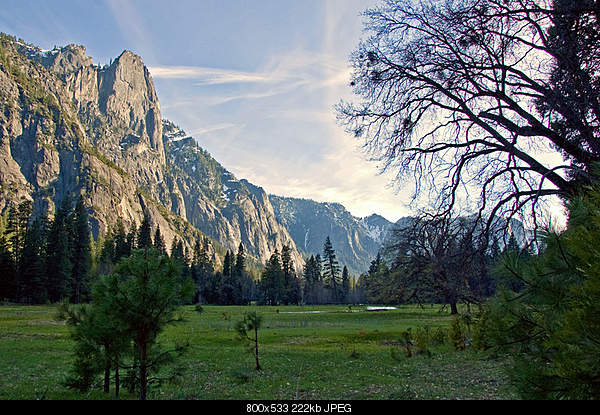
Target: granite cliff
{"type": "Point", "coordinates": [69, 127]}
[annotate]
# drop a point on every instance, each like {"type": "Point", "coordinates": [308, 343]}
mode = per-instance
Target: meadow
{"type": "Point", "coordinates": [336, 354]}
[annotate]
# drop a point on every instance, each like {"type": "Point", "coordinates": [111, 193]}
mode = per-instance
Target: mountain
{"type": "Point", "coordinates": [377, 227]}
{"type": "Point", "coordinates": [355, 240]}
{"type": "Point", "coordinates": [68, 127]}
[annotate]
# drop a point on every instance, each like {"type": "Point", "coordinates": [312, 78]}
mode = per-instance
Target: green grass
{"type": "Point", "coordinates": [333, 355]}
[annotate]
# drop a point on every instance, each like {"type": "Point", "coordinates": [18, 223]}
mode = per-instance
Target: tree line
{"type": "Point", "coordinates": [49, 260]}
{"type": "Point", "coordinates": [45, 260]}
{"type": "Point", "coordinates": [437, 260]}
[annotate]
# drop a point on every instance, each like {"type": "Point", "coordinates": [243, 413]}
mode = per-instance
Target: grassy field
{"type": "Point", "coordinates": [336, 354]}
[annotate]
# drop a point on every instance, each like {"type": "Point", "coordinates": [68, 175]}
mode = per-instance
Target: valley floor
{"type": "Point", "coordinates": [335, 355]}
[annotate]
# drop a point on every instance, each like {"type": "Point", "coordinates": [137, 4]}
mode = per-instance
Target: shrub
{"type": "Point", "coordinates": [423, 341]}
{"type": "Point", "coordinates": [457, 335]}
{"type": "Point", "coordinates": [439, 336]}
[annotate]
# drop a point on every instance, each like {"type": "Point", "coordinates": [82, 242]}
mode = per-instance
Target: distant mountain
{"type": "Point", "coordinates": [355, 240]}
{"type": "Point", "coordinates": [377, 227]}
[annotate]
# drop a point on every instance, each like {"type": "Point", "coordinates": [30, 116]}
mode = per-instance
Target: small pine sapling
{"type": "Point", "coordinates": [250, 324]}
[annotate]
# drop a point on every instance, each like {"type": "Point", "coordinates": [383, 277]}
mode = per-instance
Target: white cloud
{"type": "Point", "coordinates": [210, 76]}
{"type": "Point", "coordinates": [213, 128]}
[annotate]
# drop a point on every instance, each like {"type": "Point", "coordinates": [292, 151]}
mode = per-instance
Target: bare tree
{"type": "Point", "coordinates": [466, 95]}
{"type": "Point", "coordinates": [438, 259]}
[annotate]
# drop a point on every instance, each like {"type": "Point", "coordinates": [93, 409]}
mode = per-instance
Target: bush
{"type": "Point", "coordinates": [457, 335]}
{"type": "Point", "coordinates": [439, 336]}
{"type": "Point", "coordinates": [423, 341]}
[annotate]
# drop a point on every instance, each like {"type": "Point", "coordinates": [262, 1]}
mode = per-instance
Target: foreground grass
{"type": "Point", "coordinates": [337, 354]}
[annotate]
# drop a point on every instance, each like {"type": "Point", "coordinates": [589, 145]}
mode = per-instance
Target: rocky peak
{"type": "Point", "coordinates": [66, 60]}
{"type": "Point", "coordinates": [127, 94]}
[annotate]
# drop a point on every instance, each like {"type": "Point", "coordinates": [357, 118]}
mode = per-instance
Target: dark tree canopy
{"type": "Point", "coordinates": [464, 96]}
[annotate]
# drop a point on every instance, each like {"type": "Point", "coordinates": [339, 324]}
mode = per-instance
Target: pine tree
{"type": "Point", "coordinates": [159, 242]}
{"type": "Point", "coordinates": [58, 254]}
{"type": "Point", "coordinates": [204, 273]}
{"type": "Point", "coordinates": [81, 256]}
{"type": "Point", "coordinates": [106, 258]}
{"type": "Point", "coordinates": [250, 324]}
{"type": "Point", "coordinates": [18, 221]}
{"type": "Point", "coordinates": [8, 282]}
{"type": "Point", "coordinates": [101, 341]}
{"type": "Point", "coordinates": [177, 252]}
{"type": "Point", "coordinates": [550, 327]}
{"type": "Point", "coordinates": [292, 293]}
{"type": "Point", "coordinates": [228, 264]}
{"type": "Point", "coordinates": [332, 269]}
{"type": "Point", "coordinates": [150, 290]}
{"type": "Point", "coordinates": [144, 234]}
{"type": "Point", "coordinates": [240, 261]}
{"type": "Point", "coordinates": [272, 281]}
{"type": "Point", "coordinates": [122, 246]}
{"type": "Point", "coordinates": [131, 238]}
{"type": "Point", "coordinates": [345, 285]}
{"type": "Point", "coordinates": [227, 284]}
{"type": "Point", "coordinates": [33, 277]}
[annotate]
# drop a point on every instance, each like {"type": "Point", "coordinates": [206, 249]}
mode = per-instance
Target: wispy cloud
{"type": "Point", "coordinates": [294, 66]}
{"type": "Point", "coordinates": [211, 76]}
{"type": "Point", "coordinates": [213, 128]}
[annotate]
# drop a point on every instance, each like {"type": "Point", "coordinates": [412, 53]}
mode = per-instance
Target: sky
{"type": "Point", "coordinates": [255, 82]}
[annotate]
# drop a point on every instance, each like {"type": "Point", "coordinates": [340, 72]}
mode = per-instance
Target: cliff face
{"type": "Point", "coordinates": [68, 127]}
{"type": "Point", "coordinates": [211, 198]}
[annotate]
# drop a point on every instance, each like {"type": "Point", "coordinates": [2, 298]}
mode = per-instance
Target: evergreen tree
{"type": "Point", "coordinates": [81, 256]}
{"type": "Point", "coordinates": [33, 283]}
{"type": "Point", "coordinates": [58, 254]}
{"type": "Point", "coordinates": [345, 285]}
{"type": "Point", "coordinates": [159, 242]}
{"type": "Point", "coordinates": [318, 279]}
{"type": "Point", "coordinates": [240, 261]}
{"type": "Point", "coordinates": [204, 273]}
{"type": "Point", "coordinates": [8, 282]}
{"type": "Point", "coordinates": [228, 264]}
{"type": "Point", "coordinates": [144, 234]}
{"type": "Point", "coordinates": [101, 341]}
{"type": "Point", "coordinates": [18, 221]}
{"type": "Point", "coordinates": [177, 252]}
{"type": "Point", "coordinates": [272, 281]}
{"type": "Point", "coordinates": [312, 281]}
{"type": "Point", "coordinates": [250, 324]}
{"type": "Point", "coordinates": [374, 268]}
{"type": "Point", "coordinates": [131, 238]}
{"type": "Point", "coordinates": [227, 286]}
{"type": "Point", "coordinates": [122, 246]}
{"type": "Point", "coordinates": [550, 327]}
{"type": "Point", "coordinates": [332, 270]}
{"type": "Point", "coordinates": [292, 291]}
{"type": "Point", "coordinates": [107, 255]}
{"type": "Point", "coordinates": [149, 290]}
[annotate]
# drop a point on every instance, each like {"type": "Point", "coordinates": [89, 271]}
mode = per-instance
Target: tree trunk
{"type": "Point", "coordinates": [453, 308]}
{"type": "Point", "coordinates": [256, 347]}
{"type": "Point", "coordinates": [117, 380]}
{"type": "Point", "coordinates": [107, 370]}
{"type": "Point", "coordinates": [143, 371]}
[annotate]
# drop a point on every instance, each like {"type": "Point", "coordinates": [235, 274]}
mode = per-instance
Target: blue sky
{"type": "Point", "coordinates": [253, 81]}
